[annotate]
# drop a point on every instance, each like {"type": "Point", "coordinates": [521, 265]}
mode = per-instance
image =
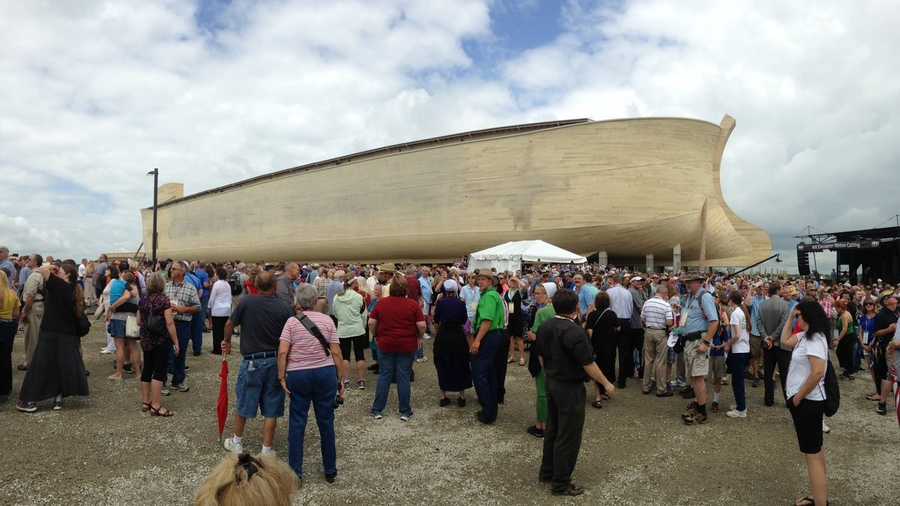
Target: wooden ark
{"type": "Point", "coordinates": [628, 187]}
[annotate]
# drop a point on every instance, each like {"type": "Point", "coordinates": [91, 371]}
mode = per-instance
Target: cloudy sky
{"type": "Point", "coordinates": [95, 94]}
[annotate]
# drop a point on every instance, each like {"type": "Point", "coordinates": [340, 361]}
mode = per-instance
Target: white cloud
{"type": "Point", "coordinates": [97, 93]}
{"type": "Point", "coordinates": [813, 92]}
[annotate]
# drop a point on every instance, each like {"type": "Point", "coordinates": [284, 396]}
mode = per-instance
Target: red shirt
{"type": "Point", "coordinates": [397, 318]}
{"type": "Point", "coordinates": [250, 287]}
{"type": "Point", "coordinates": [413, 288]}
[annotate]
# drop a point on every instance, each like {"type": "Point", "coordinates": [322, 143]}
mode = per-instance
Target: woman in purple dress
{"type": "Point", "coordinates": [451, 346]}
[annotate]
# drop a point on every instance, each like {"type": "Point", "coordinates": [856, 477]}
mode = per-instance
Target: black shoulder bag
{"type": "Point", "coordinates": [314, 330]}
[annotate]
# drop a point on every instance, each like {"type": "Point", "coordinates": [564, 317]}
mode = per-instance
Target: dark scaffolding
{"type": "Point", "coordinates": [876, 250]}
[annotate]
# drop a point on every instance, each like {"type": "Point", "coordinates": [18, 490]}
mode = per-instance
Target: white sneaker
{"type": "Point", "coordinates": [106, 351]}
{"type": "Point", "coordinates": [267, 451]}
{"type": "Point", "coordinates": [405, 418]}
{"type": "Point", "coordinates": [233, 446]}
{"type": "Point", "coordinates": [420, 360]}
{"type": "Point", "coordinates": [825, 428]}
{"type": "Point", "coordinates": [426, 336]}
{"type": "Point", "coordinates": [734, 413]}
{"type": "Point", "coordinates": [377, 416]}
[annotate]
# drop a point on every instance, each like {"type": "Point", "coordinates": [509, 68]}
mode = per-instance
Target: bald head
{"type": "Point", "coordinates": [292, 270]}
{"type": "Point", "coordinates": [265, 282]}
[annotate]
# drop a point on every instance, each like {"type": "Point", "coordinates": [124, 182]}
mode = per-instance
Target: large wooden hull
{"type": "Point", "coordinates": [627, 187]}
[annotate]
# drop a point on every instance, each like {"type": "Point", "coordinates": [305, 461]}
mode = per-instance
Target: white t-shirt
{"type": "Point", "coordinates": [739, 319]}
{"type": "Point", "coordinates": [800, 367]}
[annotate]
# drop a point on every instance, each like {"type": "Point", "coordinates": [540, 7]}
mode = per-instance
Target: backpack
{"type": "Point", "coordinates": [832, 391]}
{"type": "Point", "coordinates": [156, 326]}
{"type": "Point", "coordinates": [234, 281]}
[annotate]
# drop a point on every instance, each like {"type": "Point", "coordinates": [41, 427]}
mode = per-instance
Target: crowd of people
{"type": "Point", "coordinates": [305, 332]}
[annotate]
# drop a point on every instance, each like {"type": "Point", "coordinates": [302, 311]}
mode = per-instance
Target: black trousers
{"type": "Point", "coordinates": [218, 329]}
{"type": "Point", "coordinates": [625, 348]}
{"type": "Point", "coordinates": [846, 350]}
{"type": "Point", "coordinates": [562, 437]}
{"type": "Point", "coordinates": [637, 343]}
{"type": "Point", "coordinates": [7, 335]}
{"type": "Point", "coordinates": [500, 367]}
{"type": "Point", "coordinates": [772, 358]}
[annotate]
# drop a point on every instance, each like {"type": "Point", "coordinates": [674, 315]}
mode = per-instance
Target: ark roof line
{"type": "Point", "coordinates": [471, 135]}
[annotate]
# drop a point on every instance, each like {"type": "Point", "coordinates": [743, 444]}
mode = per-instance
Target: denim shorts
{"type": "Point", "coordinates": [117, 328]}
{"type": "Point", "coordinates": [258, 389]}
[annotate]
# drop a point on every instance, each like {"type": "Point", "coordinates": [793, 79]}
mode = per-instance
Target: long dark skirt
{"type": "Point", "coordinates": [57, 368]}
{"type": "Point", "coordinates": [452, 359]}
{"type": "Point", "coordinates": [605, 357]}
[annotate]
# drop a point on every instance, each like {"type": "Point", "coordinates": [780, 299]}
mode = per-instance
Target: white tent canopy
{"type": "Point", "coordinates": [509, 256]}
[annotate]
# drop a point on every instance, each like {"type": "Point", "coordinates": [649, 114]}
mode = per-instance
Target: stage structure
{"type": "Point", "coordinates": [646, 189]}
{"type": "Point", "coordinates": [876, 251]}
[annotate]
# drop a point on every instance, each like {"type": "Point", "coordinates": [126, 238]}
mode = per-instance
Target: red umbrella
{"type": "Point", "coordinates": [222, 404]}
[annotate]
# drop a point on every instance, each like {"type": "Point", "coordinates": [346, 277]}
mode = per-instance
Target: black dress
{"type": "Point", "coordinates": [516, 325]}
{"type": "Point", "coordinates": [451, 349]}
{"type": "Point", "coordinates": [57, 367]}
{"type": "Point", "coordinates": [603, 325]}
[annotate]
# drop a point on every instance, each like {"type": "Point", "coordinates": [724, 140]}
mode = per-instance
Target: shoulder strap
{"type": "Point", "coordinates": [314, 330]}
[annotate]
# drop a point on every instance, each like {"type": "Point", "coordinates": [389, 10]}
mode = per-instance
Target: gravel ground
{"type": "Point", "coordinates": [103, 450]}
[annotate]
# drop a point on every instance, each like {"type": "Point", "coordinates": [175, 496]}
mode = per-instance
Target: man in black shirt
{"type": "Point", "coordinates": [261, 318]}
{"type": "Point", "coordinates": [885, 326]}
{"type": "Point", "coordinates": [568, 360]}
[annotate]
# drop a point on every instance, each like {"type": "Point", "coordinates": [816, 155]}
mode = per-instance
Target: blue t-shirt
{"type": "Point", "coordinates": [194, 280]}
{"type": "Point", "coordinates": [116, 290]}
{"type": "Point", "coordinates": [203, 277]}
{"type": "Point", "coordinates": [700, 312]}
{"type": "Point", "coordinates": [425, 286]}
{"type": "Point", "coordinates": [586, 297]}
{"type": "Point", "coordinates": [722, 336]}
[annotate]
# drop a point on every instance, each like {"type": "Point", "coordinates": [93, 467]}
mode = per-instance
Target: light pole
{"type": "Point", "coordinates": [155, 173]}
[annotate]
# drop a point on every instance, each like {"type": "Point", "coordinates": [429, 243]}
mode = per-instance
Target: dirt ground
{"type": "Point", "coordinates": [103, 450]}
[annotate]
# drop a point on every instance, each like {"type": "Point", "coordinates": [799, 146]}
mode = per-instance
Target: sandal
{"type": "Point", "coordinates": [873, 397]}
{"type": "Point", "coordinates": [510, 361]}
{"type": "Point", "coordinates": [146, 407]}
{"type": "Point", "coordinates": [805, 501]}
{"type": "Point", "coordinates": [597, 404]}
{"type": "Point", "coordinates": [521, 362]}
{"type": "Point", "coordinates": [161, 411]}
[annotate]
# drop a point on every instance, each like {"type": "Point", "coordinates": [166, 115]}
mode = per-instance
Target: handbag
{"type": "Point", "coordinates": [82, 325]}
{"type": "Point", "coordinates": [131, 326]}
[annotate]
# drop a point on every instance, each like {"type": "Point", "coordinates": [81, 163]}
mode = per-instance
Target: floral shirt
{"type": "Point", "coordinates": [155, 304]}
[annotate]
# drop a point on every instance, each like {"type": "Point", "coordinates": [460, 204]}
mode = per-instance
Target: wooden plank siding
{"type": "Point", "coordinates": [628, 187]}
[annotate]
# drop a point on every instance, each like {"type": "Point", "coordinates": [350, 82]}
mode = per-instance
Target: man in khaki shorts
{"type": "Point", "coordinates": [699, 323]}
{"type": "Point", "coordinates": [656, 316]}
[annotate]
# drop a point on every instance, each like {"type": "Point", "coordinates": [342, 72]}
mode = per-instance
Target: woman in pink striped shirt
{"type": "Point", "coordinates": [309, 363]}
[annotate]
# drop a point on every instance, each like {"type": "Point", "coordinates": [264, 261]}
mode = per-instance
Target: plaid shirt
{"type": "Point", "coordinates": [182, 294]}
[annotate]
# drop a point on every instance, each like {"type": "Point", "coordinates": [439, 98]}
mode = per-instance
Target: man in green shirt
{"type": "Point", "coordinates": [490, 321]}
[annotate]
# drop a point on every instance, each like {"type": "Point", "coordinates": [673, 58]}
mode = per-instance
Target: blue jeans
{"type": "Point", "coordinates": [319, 388]}
{"type": "Point", "coordinates": [176, 362]}
{"type": "Point", "coordinates": [197, 324]}
{"type": "Point", "coordinates": [394, 367]}
{"type": "Point", "coordinates": [484, 374]}
{"type": "Point", "coordinates": [420, 351]}
{"type": "Point", "coordinates": [258, 389]}
{"type": "Point", "coordinates": [738, 363]}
